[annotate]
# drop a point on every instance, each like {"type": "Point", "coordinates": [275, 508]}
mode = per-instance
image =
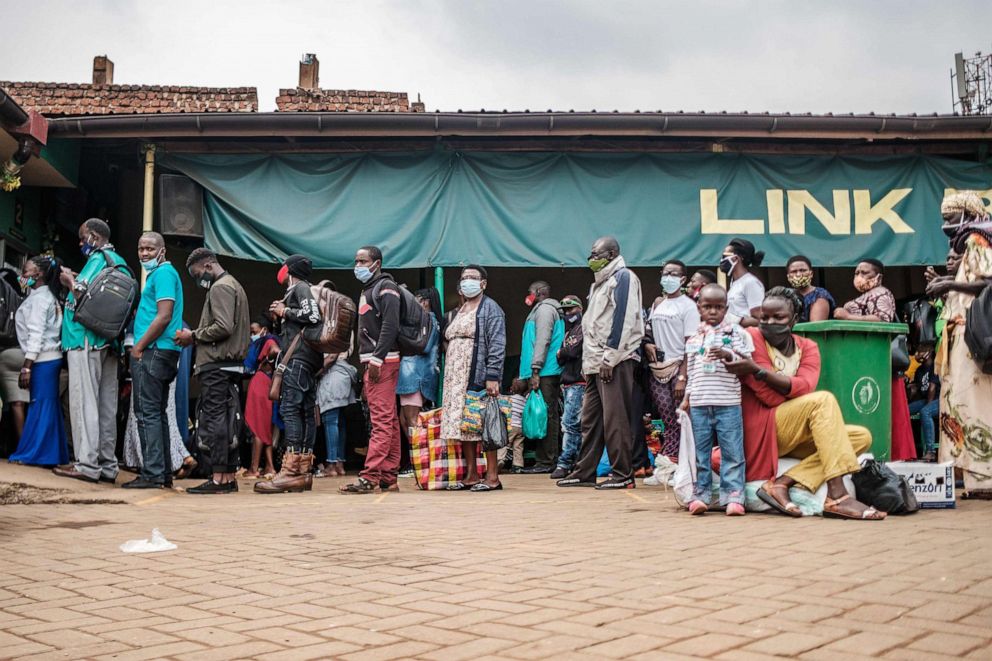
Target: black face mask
{"type": "Point", "coordinates": [778, 335]}
{"type": "Point", "coordinates": [573, 319]}
{"type": "Point", "coordinates": [950, 230]}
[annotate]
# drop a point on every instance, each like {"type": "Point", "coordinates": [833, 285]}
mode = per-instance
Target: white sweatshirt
{"type": "Point", "coordinates": [39, 326]}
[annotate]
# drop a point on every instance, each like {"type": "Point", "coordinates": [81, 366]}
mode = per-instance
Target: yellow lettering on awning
{"type": "Point", "coordinates": [838, 222]}
{"type": "Point", "coordinates": [866, 214]}
{"type": "Point", "coordinates": [711, 223]}
{"type": "Point", "coordinates": [775, 199]}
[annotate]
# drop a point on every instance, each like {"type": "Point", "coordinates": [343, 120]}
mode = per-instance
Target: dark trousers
{"type": "Point", "coordinates": [546, 451]}
{"type": "Point", "coordinates": [213, 430]}
{"type": "Point", "coordinates": [150, 379]}
{"type": "Point", "coordinates": [298, 405]}
{"type": "Point", "coordinates": [606, 420]}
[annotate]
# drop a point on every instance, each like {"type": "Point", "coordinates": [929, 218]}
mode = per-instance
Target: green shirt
{"type": "Point", "coordinates": [74, 335]}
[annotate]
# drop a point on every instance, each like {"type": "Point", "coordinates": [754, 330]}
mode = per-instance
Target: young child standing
{"type": "Point", "coordinates": [713, 399]}
{"type": "Point", "coordinates": [515, 449]}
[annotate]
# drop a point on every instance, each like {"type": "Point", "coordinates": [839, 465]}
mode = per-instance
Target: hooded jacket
{"type": "Point", "coordinates": [612, 325]}
{"type": "Point", "coordinates": [543, 333]}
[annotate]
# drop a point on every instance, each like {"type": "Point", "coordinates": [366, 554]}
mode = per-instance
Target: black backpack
{"type": "Point", "coordinates": [415, 322]}
{"type": "Point", "coordinates": [978, 330]}
{"type": "Point", "coordinates": [107, 303]}
{"type": "Point", "coordinates": [921, 316]}
{"type": "Point", "coordinates": [10, 299]}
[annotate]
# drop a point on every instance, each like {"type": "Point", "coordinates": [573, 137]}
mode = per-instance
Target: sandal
{"type": "Point", "coordinates": [830, 511]}
{"type": "Point", "coordinates": [789, 509]}
{"type": "Point", "coordinates": [482, 486]}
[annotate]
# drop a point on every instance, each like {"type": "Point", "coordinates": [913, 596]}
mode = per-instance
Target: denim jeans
{"type": "Point", "coordinates": [571, 421]}
{"type": "Point", "coordinates": [150, 378]}
{"type": "Point", "coordinates": [928, 429]}
{"type": "Point", "coordinates": [298, 406]}
{"type": "Point", "coordinates": [333, 434]}
{"type": "Point", "coordinates": [726, 423]}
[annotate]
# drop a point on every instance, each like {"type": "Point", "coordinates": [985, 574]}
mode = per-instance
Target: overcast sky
{"type": "Point", "coordinates": [793, 56]}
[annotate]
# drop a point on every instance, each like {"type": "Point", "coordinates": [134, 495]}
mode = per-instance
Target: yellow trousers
{"type": "Point", "coordinates": [812, 428]}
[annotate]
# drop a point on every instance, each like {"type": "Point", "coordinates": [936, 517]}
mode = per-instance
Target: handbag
{"type": "Point", "coordinates": [475, 402]}
{"type": "Point", "coordinates": [275, 388]}
{"type": "Point", "coordinates": [900, 355]}
{"type": "Point", "coordinates": [880, 487]}
{"type": "Point", "coordinates": [664, 372]}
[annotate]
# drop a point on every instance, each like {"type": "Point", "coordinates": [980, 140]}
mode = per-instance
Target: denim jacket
{"type": "Point", "coordinates": [490, 345]}
{"type": "Point", "coordinates": [420, 373]}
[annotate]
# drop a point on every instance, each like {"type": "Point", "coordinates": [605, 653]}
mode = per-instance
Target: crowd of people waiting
{"type": "Point", "coordinates": [727, 357]}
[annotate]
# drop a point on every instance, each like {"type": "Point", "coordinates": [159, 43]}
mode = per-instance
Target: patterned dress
{"type": "Point", "coordinates": [965, 414]}
{"type": "Point", "coordinates": [457, 367]}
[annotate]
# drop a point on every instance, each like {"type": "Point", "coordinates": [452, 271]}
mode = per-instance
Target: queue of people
{"type": "Point", "coordinates": [726, 357]}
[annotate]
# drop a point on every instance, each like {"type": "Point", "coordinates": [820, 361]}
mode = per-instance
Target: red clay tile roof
{"type": "Point", "coordinates": [321, 100]}
{"type": "Point", "coordinates": [69, 99]}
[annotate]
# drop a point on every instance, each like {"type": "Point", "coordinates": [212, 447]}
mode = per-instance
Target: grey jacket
{"type": "Point", "coordinates": [545, 316]}
{"type": "Point", "coordinates": [489, 351]}
{"type": "Point", "coordinates": [612, 325]}
{"type": "Point", "coordinates": [337, 387]}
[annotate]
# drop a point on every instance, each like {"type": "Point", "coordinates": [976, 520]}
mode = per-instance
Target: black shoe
{"type": "Point", "coordinates": [109, 480]}
{"type": "Point", "coordinates": [575, 482]}
{"type": "Point", "coordinates": [558, 474]}
{"type": "Point", "coordinates": [517, 470]}
{"type": "Point", "coordinates": [536, 470]}
{"type": "Point", "coordinates": [614, 483]}
{"type": "Point", "coordinates": [212, 487]}
{"type": "Point", "coordinates": [141, 483]}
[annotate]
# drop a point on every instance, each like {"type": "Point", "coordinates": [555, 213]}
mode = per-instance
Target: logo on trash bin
{"type": "Point", "coordinates": [866, 395]}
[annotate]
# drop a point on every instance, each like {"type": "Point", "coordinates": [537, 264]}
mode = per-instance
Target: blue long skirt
{"type": "Point", "coordinates": [43, 442]}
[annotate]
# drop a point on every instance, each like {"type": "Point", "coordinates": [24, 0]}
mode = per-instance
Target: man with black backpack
{"type": "Point", "coordinates": [379, 310]}
{"type": "Point", "coordinates": [221, 345]}
{"type": "Point", "coordinates": [92, 362]}
{"type": "Point", "coordinates": [298, 364]}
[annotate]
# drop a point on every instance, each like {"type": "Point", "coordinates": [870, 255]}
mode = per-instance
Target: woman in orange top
{"type": "Point", "coordinates": [784, 417]}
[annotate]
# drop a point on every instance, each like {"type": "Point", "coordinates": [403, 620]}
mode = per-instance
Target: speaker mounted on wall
{"type": "Point", "coordinates": [180, 204]}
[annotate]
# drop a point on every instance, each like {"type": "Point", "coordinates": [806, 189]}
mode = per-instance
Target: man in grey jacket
{"type": "Point", "coordinates": [543, 333]}
{"type": "Point", "coordinates": [613, 329]}
{"type": "Point", "coordinates": [221, 340]}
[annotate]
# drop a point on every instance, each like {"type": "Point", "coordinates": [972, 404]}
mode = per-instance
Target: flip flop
{"type": "Point", "coordinates": [870, 514]}
{"type": "Point", "coordinates": [461, 486]}
{"type": "Point", "coordinates": [767, 498]}
{"type": "Point", "coordinates": [482, 486]}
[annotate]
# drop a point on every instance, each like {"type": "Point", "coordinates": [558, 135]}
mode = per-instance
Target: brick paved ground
{"type": "Point", "coordinates": [530, 572]}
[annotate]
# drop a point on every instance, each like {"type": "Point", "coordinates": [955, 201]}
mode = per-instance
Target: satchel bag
{"type": "Point", "coordinates": [275, 388]}
{"type": "Point", "coordinates": [663, 372]}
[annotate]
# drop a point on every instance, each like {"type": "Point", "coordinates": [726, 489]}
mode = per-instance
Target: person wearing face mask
{"type": "Point", "coordinates": [818, 304]}
{"type": "Point", "coordinates": [784, 417]}
{"type": "Point", "coordinates": [221, 340]}
{"type": "Point", "coordinates": [92, 363]}
{"type": "Point", "coordinates": [39, 324]}
{"type": "Point", "coordinates": [155, 361]}
{"type": "Point", "coordinates": [876, 303]}
{"type": "Point", "coordinates": [378, 330]}
{"type": "Point", "coordinates": [673, 319]}
{"type": "Point", "coordinates": [259, 409]}
{"type": "Point", "coordinates": [612, 329]}
{"type": "Point", "coordinates": [699, 279]}
{"type": "Point", "coordinates": [544, 330]}
{"type": "Point", "coordinates": [474, 355]}
{"type": "Point", "coordinates": [299, 363]}
{"type": "Point", "coordinates": [746, 291]}
{"type": "Point", "coordinates": [573, 385]}
{"type": "Point", "coordinates": [966, 390]}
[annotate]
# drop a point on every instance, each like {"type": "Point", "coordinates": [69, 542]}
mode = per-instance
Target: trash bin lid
{"type": "Point", "coordinates": [847, 326]}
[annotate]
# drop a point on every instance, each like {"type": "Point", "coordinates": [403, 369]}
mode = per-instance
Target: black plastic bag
{"type": "Point", "coordinates": [978, 330]}
{"type": "Point", "coordinates": [494, 434]}
{"type": "Point", "coordinates": [878, 485]}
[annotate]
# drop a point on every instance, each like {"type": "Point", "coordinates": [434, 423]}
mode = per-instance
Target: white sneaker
{"type": "Point", "coordinates": [652, 481]}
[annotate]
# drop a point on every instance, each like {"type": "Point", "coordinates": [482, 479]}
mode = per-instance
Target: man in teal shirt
{"type": "Point", "coordinates": [155, 360]}
{"type": "Point", "coordinates": [92, 362]}
{"type": "Point", "coordinates": [543, 334]}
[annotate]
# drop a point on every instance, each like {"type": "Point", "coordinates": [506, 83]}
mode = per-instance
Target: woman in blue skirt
{"type": "Point", "coordinates": [39, 326]}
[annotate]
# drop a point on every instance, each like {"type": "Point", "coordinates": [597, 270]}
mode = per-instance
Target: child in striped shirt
{"type": "Point", "coordinates": [713, 399]}
{"type": "Point", "coordinates": [517, 401]}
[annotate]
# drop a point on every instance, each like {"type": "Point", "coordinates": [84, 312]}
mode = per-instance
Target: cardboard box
{"type": "Point", "coordinates": [933, 484]}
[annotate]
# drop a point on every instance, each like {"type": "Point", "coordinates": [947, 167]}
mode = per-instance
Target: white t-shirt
{"type": "Point", "coordinates": [673, 320]}
{"type": "Point", "coordinates": [745, 294]}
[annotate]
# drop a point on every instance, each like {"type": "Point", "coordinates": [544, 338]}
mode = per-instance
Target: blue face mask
{"type": "Point", "coordinates": [470, 288]}
{"type": "Point", "coordinates": [363, 273]}
{"type": "Point", "coordinates": [670, 283]}
{"type": "Point", "coordinates": [86, 249]}
{"type": "Point", "coordinates": [150, 264]}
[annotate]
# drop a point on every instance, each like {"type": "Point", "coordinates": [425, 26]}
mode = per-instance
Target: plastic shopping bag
{"type": "Point", "coordinates": [494, 434]}
{"type": "Point", "coordinates": [685, 474]}
{"type": "Point", "coordinates": [158, 542]}
{"type": "Point", "coordinates": [535, 422]}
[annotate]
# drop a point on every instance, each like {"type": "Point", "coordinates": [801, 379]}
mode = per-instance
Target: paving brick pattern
{"type": "Point", "coordinates": [532, 572]}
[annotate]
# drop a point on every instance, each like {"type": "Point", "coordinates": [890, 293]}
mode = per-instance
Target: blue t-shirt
{"type": "Point", "coordinates": [162, 284]}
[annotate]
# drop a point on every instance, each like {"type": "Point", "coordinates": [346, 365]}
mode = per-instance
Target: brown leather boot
{"type": "Point", "coordinates": [288, 479]}
{"type": "Point", "coordinates": [306, 469]}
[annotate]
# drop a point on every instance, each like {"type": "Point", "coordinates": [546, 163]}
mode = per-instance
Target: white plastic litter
{"type": "Point", "coordinates": [158, 542]}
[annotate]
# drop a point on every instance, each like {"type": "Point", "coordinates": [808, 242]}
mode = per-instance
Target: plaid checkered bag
{"type": "Point", "coordinates": [437, 463]}
{"type": "Point", "coordinates": [475, 402]}
{"type": "Point", "coordinates": [426, 433]}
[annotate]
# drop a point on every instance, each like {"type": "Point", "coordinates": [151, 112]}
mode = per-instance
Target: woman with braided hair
{"type": "Point", "coordinates": [39, 328]}
{"type": "Point", "coordinates": [965, 420]}
{"type": "Point", "coordinates": [784, 417]}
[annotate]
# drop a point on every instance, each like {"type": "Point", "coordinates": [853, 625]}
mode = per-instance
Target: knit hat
{"type": "Point", "coordinates": [299, 266]}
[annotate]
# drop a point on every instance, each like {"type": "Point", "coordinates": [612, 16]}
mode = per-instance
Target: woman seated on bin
{"type": "Point", "coordinates": [784, 417]}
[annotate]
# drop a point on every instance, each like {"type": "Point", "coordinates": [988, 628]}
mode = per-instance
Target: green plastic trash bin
{"type": "Point", "coordinates": [857, 368]}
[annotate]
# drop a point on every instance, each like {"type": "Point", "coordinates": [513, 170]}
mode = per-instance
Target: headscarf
{"type": "Point", "coordinates": [970, 205]}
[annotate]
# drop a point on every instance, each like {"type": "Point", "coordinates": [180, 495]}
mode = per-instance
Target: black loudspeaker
{"type": "Point", "coordinates": [180, 205]}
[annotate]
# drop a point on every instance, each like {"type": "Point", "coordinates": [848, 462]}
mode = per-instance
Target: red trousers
{"type": "Point", "coordinates": [383, 459]}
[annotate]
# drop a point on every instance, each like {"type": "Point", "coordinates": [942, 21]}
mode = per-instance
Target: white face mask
{"type": "Point", "coordinates": [254, 338]}
{"type": "Point", "coordinates": [470, 288]}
